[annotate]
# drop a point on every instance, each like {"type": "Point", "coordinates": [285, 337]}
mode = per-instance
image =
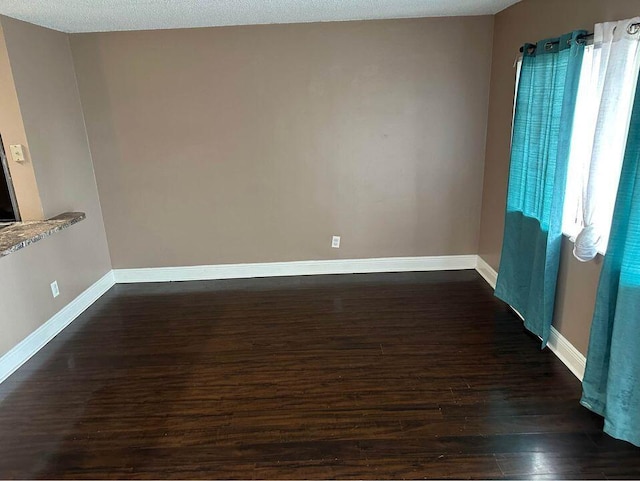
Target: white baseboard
{"type": "Point", "coordinates": [35, 341]}
{"type": "Point", "coordinates": [23, 351]}
{"type": "Point", "coordinates": [486, 271]}
{"type": "Point", "coordinates": [567, 353]}
{"type": "Point", "coordinates": [559, 345]}
{"type": "Point", "coordinates": [294, 268]}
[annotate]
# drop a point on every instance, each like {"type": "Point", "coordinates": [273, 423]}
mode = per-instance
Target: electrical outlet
{"type": "Point", "coordinates": [335, 242]}
{"type": "Point", "coordinates": [54, 289]}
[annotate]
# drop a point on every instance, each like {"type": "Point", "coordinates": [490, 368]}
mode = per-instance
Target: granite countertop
{"type": "Point", "coordinates": [21, 234]}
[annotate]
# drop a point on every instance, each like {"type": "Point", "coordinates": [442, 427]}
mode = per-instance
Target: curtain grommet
{"type": "Point", "coordinates": [633, 28]}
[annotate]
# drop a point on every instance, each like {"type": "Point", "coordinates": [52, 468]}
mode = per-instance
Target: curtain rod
{"type": "Point", "coordinates": [632, 29]}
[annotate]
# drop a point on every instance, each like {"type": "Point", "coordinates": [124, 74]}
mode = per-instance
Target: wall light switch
{"type": "Point", "coordinates": [335, 242]}
{"type": "Point", "coordinates": [17, 153]}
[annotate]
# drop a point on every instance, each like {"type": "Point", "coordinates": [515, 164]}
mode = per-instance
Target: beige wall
{"type": "Point", "coordinates": [12, 131]}
{"type": "Point", "coordinates": [50, 111]}
{"type": "Point", "coordinates": [529, 21]}
{"type": "Point", "coordinates": [254, 144]}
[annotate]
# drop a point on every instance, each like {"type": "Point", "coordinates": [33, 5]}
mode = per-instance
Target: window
{"type": "Point", "coordinates": [599, 138]}
{"type": "Point", "coordinates": [581, 141]}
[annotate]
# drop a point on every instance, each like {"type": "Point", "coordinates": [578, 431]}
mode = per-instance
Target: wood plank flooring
{"type": "Point", "coordinates": [414, 375]}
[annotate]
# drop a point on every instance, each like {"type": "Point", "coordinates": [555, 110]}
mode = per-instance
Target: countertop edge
{"type": "Point", "coordinates": [22, 234]}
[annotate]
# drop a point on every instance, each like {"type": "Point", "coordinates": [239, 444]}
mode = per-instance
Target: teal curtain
{"type": "Point", "coordinates": [611, 384]}
{"type": "Point", "coordinates": [545, 104]}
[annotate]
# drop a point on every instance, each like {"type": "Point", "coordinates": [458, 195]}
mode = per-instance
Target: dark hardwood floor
{"type": "Point", "coordinates": [417, 375]}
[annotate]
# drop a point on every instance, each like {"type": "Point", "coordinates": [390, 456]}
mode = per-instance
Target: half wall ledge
{"type": "Point", "coordinates": [19, 235]}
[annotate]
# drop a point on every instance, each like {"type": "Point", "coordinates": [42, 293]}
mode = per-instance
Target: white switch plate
{"type": "Point", "coordinates": [335, 242]}
{"type": "Point", "coordinates": [54, 289]}
{"type": "Point", "coordinates": [17, 153]}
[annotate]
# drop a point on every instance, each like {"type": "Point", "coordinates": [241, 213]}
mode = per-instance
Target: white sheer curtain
{"type": "Point", "coordinates": [602, 126]}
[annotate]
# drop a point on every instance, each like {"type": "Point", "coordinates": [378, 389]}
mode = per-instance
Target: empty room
{"type": "Point", "coordinates": [320, 239]}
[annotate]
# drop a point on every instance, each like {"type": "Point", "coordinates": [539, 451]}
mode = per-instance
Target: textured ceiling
{"type": "Point", "coordinates": [109, 15]}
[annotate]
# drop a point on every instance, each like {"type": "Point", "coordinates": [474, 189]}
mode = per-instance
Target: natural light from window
{"type": "Point", "coordinates": [604, 167]}
{"type": "Point", "coordinates": [580, 155]}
